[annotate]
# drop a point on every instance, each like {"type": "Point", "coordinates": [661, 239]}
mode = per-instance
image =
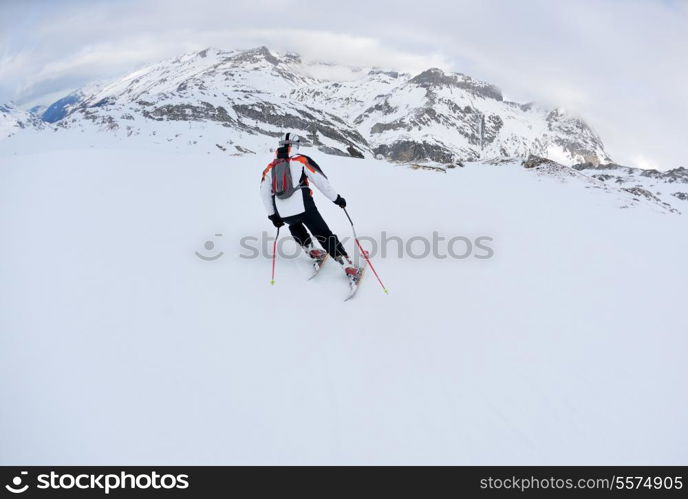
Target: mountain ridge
{"type": "Point", "coordinates": [13, 120]}
{"type": "Point", "coordinates": [432, 117]}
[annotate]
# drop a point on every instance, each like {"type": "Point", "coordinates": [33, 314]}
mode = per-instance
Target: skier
{"type": "Point", "coordinates": [285, 204]}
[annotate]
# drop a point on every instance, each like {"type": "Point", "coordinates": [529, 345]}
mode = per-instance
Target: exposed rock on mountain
{"type": "Point", "coordinates": [244, 99]}
{"type": "Point", "coordinates": [13, 120]}
{"type": "Point", "coordinates": [666, 186]}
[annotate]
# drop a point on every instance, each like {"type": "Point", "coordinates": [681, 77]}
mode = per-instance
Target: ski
{"type": "Point", "coordinates": [355, 283]}
{"type": "Point", "coordinates": [317, 265]}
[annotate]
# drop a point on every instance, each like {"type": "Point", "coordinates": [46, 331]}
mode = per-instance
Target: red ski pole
{"type": "Point", "coordinates": [274, 257]}
{"type": "Point", "coordinates": [364, 252]}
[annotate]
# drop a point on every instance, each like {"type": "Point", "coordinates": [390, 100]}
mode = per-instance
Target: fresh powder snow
{"type": "Point", "coordinates": [120, 345]}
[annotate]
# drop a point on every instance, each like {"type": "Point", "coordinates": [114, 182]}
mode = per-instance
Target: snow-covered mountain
{"type": "Point", "coordinates": [447, 118]}
{"type": "Point", "coordinates": [13, 119]}
{"type": "Point", "coordinates": [239, 101]}
{"type": "Point", "coordinates": [669, 187]}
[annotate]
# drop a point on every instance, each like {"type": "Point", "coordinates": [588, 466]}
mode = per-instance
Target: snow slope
{"type": "Point", "coordinates": [669, 187]}
{"type": "Point", "coordinates": [119, 345]}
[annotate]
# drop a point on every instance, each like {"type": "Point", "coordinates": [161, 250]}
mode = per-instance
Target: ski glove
{"type": "Point", "coordinates": [340, 201]}
{"type": "Point", "coordinates": [276, 220]}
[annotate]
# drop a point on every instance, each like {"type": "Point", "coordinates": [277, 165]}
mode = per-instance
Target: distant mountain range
{"type": "Point", "coordinates": [239, 102]}
{"type": "Point", "coordinates": [669, 188]}
{"type": "Point", "coordinates": [13, 120]}
{"type": "Point", "coordinates": [244, 99]}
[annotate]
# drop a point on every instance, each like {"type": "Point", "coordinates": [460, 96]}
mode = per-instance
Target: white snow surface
{"type": "Point", "coordinates": [120, 346]}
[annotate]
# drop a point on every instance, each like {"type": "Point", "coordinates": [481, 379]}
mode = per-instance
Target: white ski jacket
{"type": "Point", "coordinates": [303, 170]}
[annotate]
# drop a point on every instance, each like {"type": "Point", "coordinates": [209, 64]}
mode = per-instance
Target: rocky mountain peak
{"type": "Point", "coordinates": [389, 74]}
{"type": "Point", "coordinates": [246, 98]}
{"type": "Point", "coordinates": [256, 55]}
{"type": "Point", "coordinates": [435, 78]}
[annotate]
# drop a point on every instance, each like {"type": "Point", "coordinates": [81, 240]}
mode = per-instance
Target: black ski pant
{"type": "Point", "coordinates": [313, 220]}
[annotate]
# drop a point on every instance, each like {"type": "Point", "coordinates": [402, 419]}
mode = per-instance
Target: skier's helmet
{"type": "Point", "coordinates": [290, 140]}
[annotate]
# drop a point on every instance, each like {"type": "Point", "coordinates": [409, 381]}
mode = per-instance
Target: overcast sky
{"type": "Point", "coordinates": [621, 64]}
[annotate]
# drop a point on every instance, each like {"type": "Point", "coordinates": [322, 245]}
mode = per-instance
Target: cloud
{"type": "Point", "coordinates": [620, 64]}
{"type": "Point", "coordinates": [112, 59]}
{"type": "Point", "coordinates": [646, 163]}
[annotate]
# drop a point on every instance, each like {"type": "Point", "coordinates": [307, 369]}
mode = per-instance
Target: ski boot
{"type": "Point", "coordinates": [353, 273]}
{"type": "Point", "coordinates": [317, 257]}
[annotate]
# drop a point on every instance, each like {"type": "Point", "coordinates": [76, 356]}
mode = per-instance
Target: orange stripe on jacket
{"type": "Point", "coordinates": [269, 167]}
{"type": "Point", "coordinates": [305, 162]}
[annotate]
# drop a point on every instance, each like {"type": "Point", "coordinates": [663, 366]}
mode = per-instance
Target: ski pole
{"type": "Point", "coordinates": [274, 256]}
{"type": "Point", "coordinates": [363, 252]}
